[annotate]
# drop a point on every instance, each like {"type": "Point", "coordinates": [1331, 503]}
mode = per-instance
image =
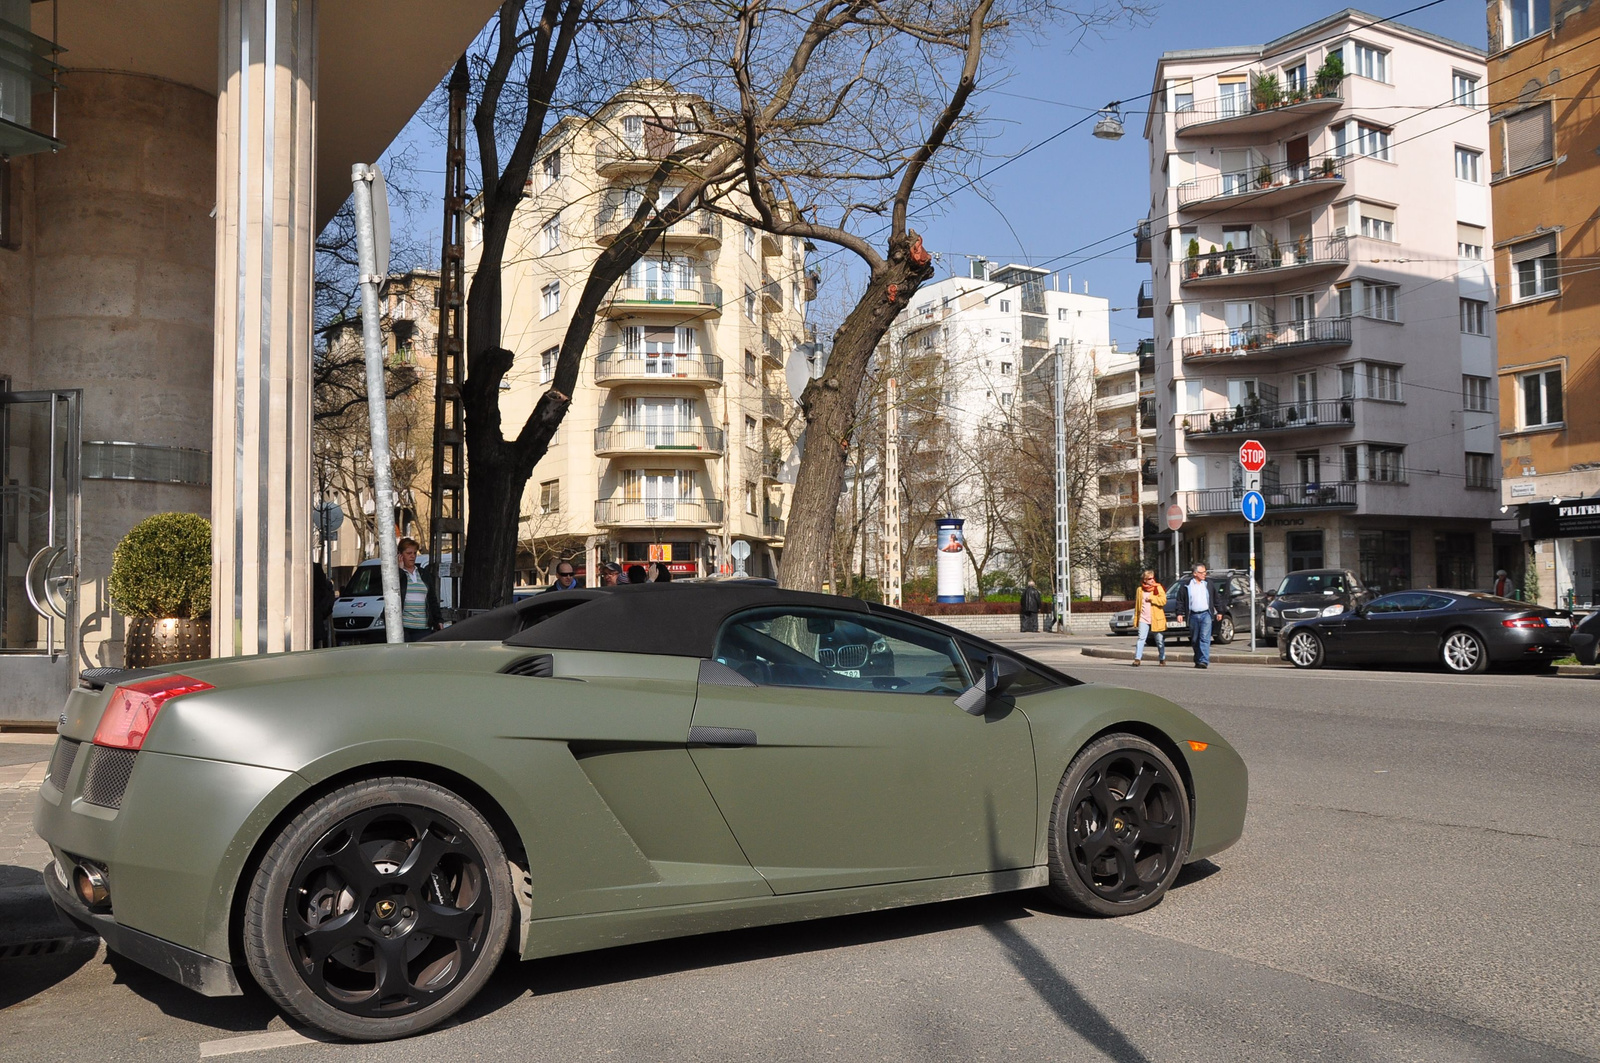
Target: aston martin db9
{"type": "Point", "coordinates": [364, 831]}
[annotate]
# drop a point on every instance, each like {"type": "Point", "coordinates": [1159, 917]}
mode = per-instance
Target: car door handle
{"type": "Point", "coordinates": [721, 736]}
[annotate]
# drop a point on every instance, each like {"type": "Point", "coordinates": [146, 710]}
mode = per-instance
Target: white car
{"type": "Point", "coordinates": [358, 611]}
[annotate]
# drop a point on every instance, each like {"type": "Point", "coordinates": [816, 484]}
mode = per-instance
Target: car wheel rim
{"type": "Point", "coordinates": [1303, 649]}
{"type": "Point", "coordinates": [388, 911]}
{"type": "Point", "coordinates": [1225, 631]}
{"type": "Point", "coordinates": [1125, 826]}
{"type": "Point", "coordinates": [1460, 652]}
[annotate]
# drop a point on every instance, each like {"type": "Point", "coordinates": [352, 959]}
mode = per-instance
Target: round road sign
{"type": "Point", "coordinates": [1252, 455]}
{"type": "Point", "coordinates": [1253, 506]}
{"type": "Point", "coordinates": [1174, 517]}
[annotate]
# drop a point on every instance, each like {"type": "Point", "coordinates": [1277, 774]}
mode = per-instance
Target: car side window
{"type": "Point", "coordinates": [823, 649]}
{"type": "Point", "coordinates": [1438, 601]}
{"type": "Point", "coordinates": [1405, 602]}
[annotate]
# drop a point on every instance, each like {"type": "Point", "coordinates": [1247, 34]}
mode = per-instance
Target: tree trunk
{"type": "Point", "coordinates": [495, 481]}
{"type": "Point", "coordinates": [829, 404]}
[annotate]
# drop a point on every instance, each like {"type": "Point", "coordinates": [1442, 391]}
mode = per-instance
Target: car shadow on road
{"type": "Point", "coordinates": [249, 1013]}
{"type": "Point", "coordinates": [25, 977]}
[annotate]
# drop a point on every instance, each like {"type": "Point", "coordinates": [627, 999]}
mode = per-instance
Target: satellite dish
{"type": "Point", "coordinates": [804, 365]}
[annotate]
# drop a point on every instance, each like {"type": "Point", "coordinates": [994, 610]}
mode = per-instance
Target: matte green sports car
{"type": "Point", "coordinates": [364, 829]}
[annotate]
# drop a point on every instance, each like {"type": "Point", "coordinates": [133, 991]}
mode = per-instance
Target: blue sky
{"type": "Point", "coordinates": [1075, 190]}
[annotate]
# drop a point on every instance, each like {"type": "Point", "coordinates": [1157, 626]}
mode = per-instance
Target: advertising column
{"type": "Point", "coordinates": [952, 567]}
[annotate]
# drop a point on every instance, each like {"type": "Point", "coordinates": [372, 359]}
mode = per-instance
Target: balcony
{"type": "Point", "coordinates": [703, 300]}
{"type": "Point", "coordinates": [771, 294]}
{"type": "Point", "coordinates": [629, 367]}
{"type": "Point", "coordinates": [1258, 343]}
{"type": "Point", "coordinates": [1116, 400]}
{"type": "Point", "coordinates": [1233, 116]}
{"type": "Point", "coordinates": [1299, 497]}
{"type": "Point", "coordinates": [652, 512]}
{"type": "Point", "coordinates": [1265, 263]}
{"type": "Point", "coordinates": [1141, 241]}
{"type": "Point", "coordinates": [1263, 187]}
{"type": "Point", "coordinates": [699, 231]}
{"type": "Point", "coordinates": [772, 352]}
{"type": "Point", "coordinates": [1273, 418]}
{"type": "Point", "coordinates": [771, 245]}
{"type": "Point", "coordinates": [1147, 300]}
{"type": "Point", "coordinates": [772, 529]}
{"type": "Point", "coordinates": [632, 155]}
{"type": "Point", "coordinates": [774, 409]}
{"type": "Point", "coordinates": [615, 441]}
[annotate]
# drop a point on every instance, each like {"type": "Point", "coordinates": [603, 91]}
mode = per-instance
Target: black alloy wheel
{"type": "Point", "coordinates": [1120, 828]}
{"type": "Point", "coordinates": [380, 910]}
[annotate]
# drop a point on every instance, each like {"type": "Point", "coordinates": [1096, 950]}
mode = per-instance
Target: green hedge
{"type": "Point", "coordinates": [162, 568]}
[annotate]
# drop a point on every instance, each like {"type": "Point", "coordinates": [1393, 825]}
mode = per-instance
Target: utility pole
{"type": "Point", "coordinates": [1063, 588]}
{"type": "Point", "coordinates": [890, 570]}
{"type": "Point", "coordinates": [447, 511]}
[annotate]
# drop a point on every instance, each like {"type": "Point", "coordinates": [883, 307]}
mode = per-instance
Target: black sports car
{"type": "Point", "coordinates": [1466, 631]}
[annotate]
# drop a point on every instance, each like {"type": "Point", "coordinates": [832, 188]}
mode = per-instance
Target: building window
{"type": "Point", "coordinates": [1180, 94]}
{"type": "Point", "coordinates": [1541, 398]}
{"type": "Point", "coordinates": [549, 298]}
{"type": "Point", "coordinates": [1474, 315]}
{"type": "Point", "coordinates": [1529, 18]}
{"type": "Point", "coordinates": [1480, 471]}
{"type": "Point", "coordinates": [1380, 301]}
{"type": "Point", "coordinates": [552, 233]}
{"type": "Point", "coordinates": [1294, 77]}
{"type": "Point", "coordinates": [750, 498]}
{"type": "Point", "coordinates": [1385, 558]}
{"type": "Point", "coordinates": [750, 241]}
{"type": "Point", "coordinates": [1005, 337]}
{"type": "Point", "coordinates": [1341, 140]}
{"type": "Point", "coordinates": [749, 302]}
{"type": "Point", "coordinates": [1005, 368]}
{"type": "Point", "coordinates": [1369, 62]}
{"type": "Point", "coordinates": [1464, 89]}
{"type": "Point", "coordinates": [1377, 223]}
{"type": "Point", "coordinates": [1005, 306]}
{"type": "Point", "coordinates": [1345, 297]}
{"type": "Point", "coordinates": [549, 170]}
{"type": "Point", "coordinates": [1467, 163]}
{"type": "Point", "coordinates": [1469, 241]}
{"type": "Point", "coordinates": [547, 365]}
{"type": "Point", "coordinates": [550, 497]}
{"type": "Point", "coordinates": [750, 365]}
{"type": "Point", "coordinates": [1005, 399]}
{"type": "Point", "coordinates": [1386, 464]}
{"type": "Point", "coordinates": [1383, 382]}
{"type": "Point", "coordinates": [1533, 268]}
{"type": "Point", "coordinates": [1528, 138]}
{"type": "Point", "coordinates": [1372, 141]}
{"type": "Point", "coordinates": [752, 434]}
{"type": "Point", "coordinates": [1475, 394]}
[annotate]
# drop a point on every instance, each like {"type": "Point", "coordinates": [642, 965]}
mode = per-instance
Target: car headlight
{"type": "Point", "coordinates": [1333, 610]}
{"type": "Point", "coordinates": [377, 621]}
{"type": "Point", "coordinates": [1272, 610]}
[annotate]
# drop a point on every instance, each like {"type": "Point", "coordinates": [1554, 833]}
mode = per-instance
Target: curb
{"type": "Point", "coordinates": [1187, 656]}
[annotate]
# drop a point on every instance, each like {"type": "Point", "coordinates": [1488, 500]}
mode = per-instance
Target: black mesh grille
{"type": "Point", "coordinates": [61, 762]}
{"type": "Point", "coordinates": [106, 777]}
{"type": "Point", "coordinates": [541, 665]}
{"type": "Point", "coordinates": [352, 623]}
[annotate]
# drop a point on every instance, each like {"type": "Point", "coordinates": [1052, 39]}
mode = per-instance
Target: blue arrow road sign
{"type": "Point", "coordinates": [1253, 506]}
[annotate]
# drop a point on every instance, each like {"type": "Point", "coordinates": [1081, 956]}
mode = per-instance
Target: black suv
{"type": "Point", "coordinates": [1236, 621]}
{"type": "Point", "coordinates": [1314, 592]}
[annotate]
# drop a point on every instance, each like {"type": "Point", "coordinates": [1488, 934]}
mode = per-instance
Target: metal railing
{"type": "Point", "coordinates": [1141, 240]}
{"type": "Point", "coordinates": [1146, 300]}
{"type": "Point", "coordinates": [1276, 417]}
{"type": "Point", "coordinates": [1224, 108]}
{"type": "Point", "coordinates": [1252, 261]}
{"type": "Point", "coordinates": [773, 408]}
{"type": "Point", "coordinates": [772, 292]}
{"type": "Point", "coordinates": [687, 295]}
{"type": "Point", "coordinates": [1243, 342]}
{"type": "Point", "coordinates": [658, 511]}
{"type": "Point", "coordinates": [609, 221]}
{"type": "Point", "coordinates": [648, 150]}
{"type": "Point", "coordinates": [632, 365]}
{"type": "Point", "coordinates": [659, 437]}
{"type": "Point", "coordinates": [772, 529]}
{"type": "Point", "coordinates": [1327, 169]}
{"type": "Point", "coordinates": [1279, 497]}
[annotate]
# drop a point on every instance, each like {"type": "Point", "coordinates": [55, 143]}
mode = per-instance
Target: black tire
{"type": "Point", "coordinates": [1120, 827]}
{"type": "Point", "coordinates": [384, 870]}
{"type": "Point", "coordinates": [1463, 652]}
{"type": "Point", "coordinates": [1305, 649]}
{"type": "Point", "coordinates": [1225, 630]}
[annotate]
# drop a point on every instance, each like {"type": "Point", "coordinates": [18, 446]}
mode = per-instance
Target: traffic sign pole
{"type": "Point", "coordinates": [1253, 458]}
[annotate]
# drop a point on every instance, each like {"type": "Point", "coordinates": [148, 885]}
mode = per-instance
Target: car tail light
{"type": "Point", "coordinates": [1523, 621]}
{"type": "Point", "coordinates": [133, 709]}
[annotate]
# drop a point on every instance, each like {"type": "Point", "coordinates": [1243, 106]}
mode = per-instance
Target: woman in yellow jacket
{"type": "Point", "coordinates": [1150, 613]}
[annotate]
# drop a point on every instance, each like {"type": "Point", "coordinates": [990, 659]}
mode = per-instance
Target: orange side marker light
{"type": "Point", "coordinates": [1198, 747]}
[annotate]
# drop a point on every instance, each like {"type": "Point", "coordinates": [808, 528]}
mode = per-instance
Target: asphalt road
{"type": "Point", "coordinates": [1417, 881]}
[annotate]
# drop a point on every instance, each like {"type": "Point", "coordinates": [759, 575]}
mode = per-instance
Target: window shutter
{"type": "Point", "coordinates": [1377, 213]}
{"type": "Point", "coordinates": [1543, 247]}
{"type": "Point", "coordinates": [659, 334]}
{"type": "Point", "coordinates": [1469, 234]}
{"type": "Point", "coordinates": [1528, 138]}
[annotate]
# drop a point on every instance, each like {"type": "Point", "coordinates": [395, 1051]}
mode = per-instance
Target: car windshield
{"type": "Point", "coordinates": [367, 581]}
{"type": "Point", "coordinates": [1311, 583]}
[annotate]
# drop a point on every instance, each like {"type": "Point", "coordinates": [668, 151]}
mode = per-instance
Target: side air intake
{"type": "Point", "coordinates": [540, 666]}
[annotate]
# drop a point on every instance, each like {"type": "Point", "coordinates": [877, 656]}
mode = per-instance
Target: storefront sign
{"type": "Point", "coordinates": [1576, 518]}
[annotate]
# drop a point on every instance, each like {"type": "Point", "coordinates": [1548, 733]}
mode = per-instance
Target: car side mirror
{"type": "Point", "coordinates": [998, 674]}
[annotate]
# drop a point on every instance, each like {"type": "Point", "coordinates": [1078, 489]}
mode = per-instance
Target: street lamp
{"type": "Point", "coordinates": [1109, 127]}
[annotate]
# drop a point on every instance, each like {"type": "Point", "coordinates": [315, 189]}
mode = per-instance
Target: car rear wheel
{"type": "Point", "coordinates": [1305, 650]}
{"type": "Point", "coordinates": [1463, 652]}
{"type": "Point", "coordinates": [1119, 831]}
{"type": "Point", "coordinates": [379, 910]}
{"type": "Point", "coordinates": [1225, 630]}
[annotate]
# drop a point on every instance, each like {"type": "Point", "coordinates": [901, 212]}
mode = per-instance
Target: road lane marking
{"type": "Point", "coordinates": [255, 1042]}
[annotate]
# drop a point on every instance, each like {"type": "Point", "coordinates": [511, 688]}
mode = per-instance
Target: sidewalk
{"type": "Point", "coordinates": [29, 924]}
{"type": "Point", "coordinates": [1236, 652]}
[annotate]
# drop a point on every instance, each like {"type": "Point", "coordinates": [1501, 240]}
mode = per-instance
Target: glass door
{"type": "Point", "coordinates": [40, 443]}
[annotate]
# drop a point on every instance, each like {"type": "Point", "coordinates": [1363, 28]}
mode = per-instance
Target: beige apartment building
{"type": "Point", "coordinates": [672, 447]}
{"type": "Point", "coordinates": [1319, 238]}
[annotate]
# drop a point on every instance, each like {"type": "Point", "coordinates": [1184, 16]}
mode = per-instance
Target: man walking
{"type": "Point", "coordinates": [1032, 600]}
{"type": "Point", "coordinates": [1200, 605]}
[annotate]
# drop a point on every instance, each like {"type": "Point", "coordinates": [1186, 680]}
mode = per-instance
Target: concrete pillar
{"type": "Point", "coordinates": [261, 455]}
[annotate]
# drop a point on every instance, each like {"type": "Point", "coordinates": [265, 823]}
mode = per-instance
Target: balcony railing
{"type": "Point", "coordinates": [680, 511]}
{"type": "Point", "coordinates": [1339, 494]}
{"type": "Point", "coordinates": [620, 438]}
{"type": "Point", "coordinates": [647, 151]}
{"type": "Point", "coordinates": [1236, 114]}
{"type": "Point", "coordinates": [1257, 264]}
{"type": "Point", "coordinates": [772, 529]}
{"type": "Point", "coordinates": [703, 296]}
{"type": "Point", "coordinates": [700, 227]}
{"type": "Point", "coordinates": [1277, 417]}
{"type": "Point", "coordinates": [1147, 300]}
{"type": "Point", "coordinates": [772, 351]}
{"type": "Point", "coordinates": [1141, 241]}
{"type": "Point", "coordinates": [626, 366]}
{"type": "Point", "coordinates": [773, 408]}
{"type": "Point", "coordinates": [1224, 344]}
{"type": "Point", "coordinates": [1264, 184]}
{"type": "Point", "coordinates": [771, 293]}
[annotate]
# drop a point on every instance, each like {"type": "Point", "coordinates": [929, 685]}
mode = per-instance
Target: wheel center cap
{"type": "Point", "coordinates": [385, 909]}
{"type": "Point", "coordinates": [1122, 825]}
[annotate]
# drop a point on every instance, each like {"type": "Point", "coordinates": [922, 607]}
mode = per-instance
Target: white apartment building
{"type": "Point", "coordinates": [996, 331]}
{"type": "Point", "coordinates": [1125, 411]}
{"type": "Point", "coordinates": [671, 447]}
{"type": "Point", "coordinates": [1320, 283]}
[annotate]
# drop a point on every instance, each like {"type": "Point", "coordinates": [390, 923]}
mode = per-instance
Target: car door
{"type": "Point", "coordinates": [1435, 613]}
{"type": "Point", "coordinates": [845, 761]}
{"type": "Point", "coordinates": [1386, 631]}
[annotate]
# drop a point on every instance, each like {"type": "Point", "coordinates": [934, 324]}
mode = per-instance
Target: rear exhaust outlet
{"type": "Point", "coordinates": [89, 882]}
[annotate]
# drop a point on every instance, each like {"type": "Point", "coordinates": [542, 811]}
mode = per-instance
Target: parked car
{"type": "Point", "coordinates": [358, 611]}
{"type": "Point", "coordinates": [1315, 592]}
{"type": "Point", "coordinates": [1585, 637]}
{"type": "Point", "coordinates": [1235, 624]}
{"type": "Point", "coordinates": [1465, 631]}
{"type": "Point", "coordinates": [365, 831]}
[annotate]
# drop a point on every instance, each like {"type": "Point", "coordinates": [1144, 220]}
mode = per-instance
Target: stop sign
{"type": "Point", "coordinates": [1174, 517]}
{"type": "Point", "coordinates": [1253, 456]}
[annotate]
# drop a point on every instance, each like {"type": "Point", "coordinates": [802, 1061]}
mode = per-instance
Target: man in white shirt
{"type": "Point", "coordinates": [1200, 605]}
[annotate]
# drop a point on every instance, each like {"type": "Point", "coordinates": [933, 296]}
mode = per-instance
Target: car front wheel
{"type": "Point", "coordinates": [1225, 630]}
{"type": "Point", "coordinates": [1305, 650]}
{"type": "Point", "coordinates": [1120, 828]}
{"type": "Point", "coordinates": [1464, 653]}
{"type": "Point", "coordinates": [379, 910]}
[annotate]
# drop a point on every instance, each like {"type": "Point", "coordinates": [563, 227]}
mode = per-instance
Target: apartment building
{"type": "Point", "coordinates": [1125, 412]}
{"type": "Point", "coordinates": [1317, 236]}
{"type": "Point", "coordinates": [1542, 136]}
{"type": "Point", "coordinates": [671, 448]}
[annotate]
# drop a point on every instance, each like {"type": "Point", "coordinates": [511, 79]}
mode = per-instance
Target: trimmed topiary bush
{"type": "Point", "coordinates": [162, 568]}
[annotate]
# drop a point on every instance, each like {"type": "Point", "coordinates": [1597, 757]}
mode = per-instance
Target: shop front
{"type": "Point", "coordinates": [1565, 534]}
